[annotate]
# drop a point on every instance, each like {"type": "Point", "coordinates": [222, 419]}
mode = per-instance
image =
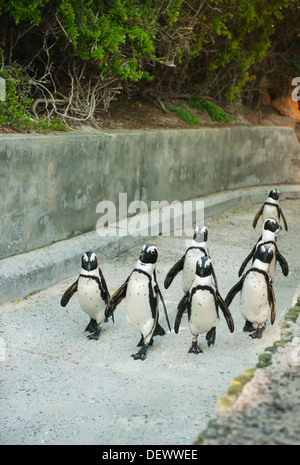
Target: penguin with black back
{"type": "Point", "coordinates": [203, 302]}
{"type": "Point", "coordinates": [142, 294]}
{"type": "Point", "coordinates": [92, 291]}
{"type": "Point", "coordinates": [271, 209]}
{"type": "Point", "coordinates": [268, 238]}
{"type": "Point", "coordinates": [187, 263]}
{"type": "Point", "coordinates": [257, 297]}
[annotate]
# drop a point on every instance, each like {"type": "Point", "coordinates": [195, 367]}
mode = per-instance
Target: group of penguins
{"type": "Point", "coordinates": [201, 297]}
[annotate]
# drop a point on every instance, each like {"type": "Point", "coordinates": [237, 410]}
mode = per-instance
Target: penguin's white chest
{"type": "Point", "coordinates": [189, 268]}
{"type": "Point", "coordinates": [203, 316]}
{"type": "Point", "coordinates": [138, 306]}
{"type": "Point", "coordinates": [90, 300]}
{"type": "Point", "coordinates": [254, 298]}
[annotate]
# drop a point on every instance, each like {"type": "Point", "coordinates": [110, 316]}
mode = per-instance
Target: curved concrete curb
{"type": "Point", "coordinates": [225, 403]}
{"type": "Point", "coordinates": [30, 272]}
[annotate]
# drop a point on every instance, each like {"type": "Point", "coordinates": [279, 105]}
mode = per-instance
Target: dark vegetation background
{"type": "Point", "coordinates": [69, 62]}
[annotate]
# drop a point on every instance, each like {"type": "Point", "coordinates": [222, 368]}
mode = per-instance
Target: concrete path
{"type": "Point", "coordinates": [58, 387]}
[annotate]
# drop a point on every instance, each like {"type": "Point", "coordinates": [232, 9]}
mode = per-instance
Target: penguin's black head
{"type": "Point", "coordinates": [204, 267]}
{"type": "Point", "coordinates": [148, 254]}
{"type": "Point", "coordinates": [200, 234]}
{"type": "Point", "coordinates": [272, 225]}
{"type": "Point", "coordinates": [264, 254]}
{"type": "Point", "coordinates": [274, 194]}
{"type": "Point", "coordinates": [89, 261]}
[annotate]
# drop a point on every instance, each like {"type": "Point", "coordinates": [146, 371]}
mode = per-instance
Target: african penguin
{"type": "Point", "coordinates": [141, 293]}
{"type": "Point", "coordinates": [257, 297]}
{"type": "Point", "coordinates": [202, 301]}
{"type": "Point", "coordinates": [92, 293]}
{"type": "Point", "coordinates": [268, 238]}
{"type": "Point", "coordinates": [187, 263]}
{"type": "Point", "coordinates": [271, 209]}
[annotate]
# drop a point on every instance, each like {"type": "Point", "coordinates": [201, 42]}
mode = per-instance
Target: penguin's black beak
{"type": "Point", "coordinates": [88, 265]}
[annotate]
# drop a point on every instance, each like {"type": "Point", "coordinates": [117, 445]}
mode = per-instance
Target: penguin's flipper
{"type": "Point", "coordinates": [162, 299]}
{"type": "Point", "coordinates": [233, 291]}
{"type": "Point", "coordinates": [173, 272]}
{"type": "Point", "coordinates": [214, 277]}
{"type": "Point", "coordinates": [159, 330]}
{"type": "Point", "coordinates": [68, 294]}
{"type": "Point", "coordinates": [180, 309]}
{"type": "Point", "coordinates": [211, 336]}
{"type": "Point", "coordinates": [115, 299]}
{"type": "Point", "coordinates": [105, 288]}
{"type": "Point", "coordinates": [284, 220]}
{"type": "Point", "coordinates": [272, 301]}
{"type": "Point", "coordinates": [282, 262]}
{"type": "Point", "coordinates": [247, 260]}
{"type": "Point", "coordinates": [226, 312]}
{"type": "Point", "coordinates": [256, 218]}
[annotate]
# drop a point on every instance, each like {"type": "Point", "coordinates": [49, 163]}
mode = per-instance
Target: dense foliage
{"type": "Point", "coordinates": [77, 55]}
{"type": "Point", "coordinates": [15, 110]}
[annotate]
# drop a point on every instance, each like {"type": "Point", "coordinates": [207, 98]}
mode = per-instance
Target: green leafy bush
{"type": "Point", "coordinates": [114, 35]}
{"type": "Point", "coordinates": [220, 46]}
{"type": "Point", "coordinates": [184, 114]}
{"type": "Point", "coordinates": [46, 125]}
{"type": "Point", "coordinates": [216, 112]}
{"type": "Point", "coordinates": [14, 111]}
{"type": "Point", "coordinates": [120, 36]}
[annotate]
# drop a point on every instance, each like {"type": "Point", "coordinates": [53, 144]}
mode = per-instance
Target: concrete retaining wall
{"type": "Point", "coordinates": [50, 185]}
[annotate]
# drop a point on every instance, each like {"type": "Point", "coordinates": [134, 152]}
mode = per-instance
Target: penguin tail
{"type": "Point", "coordinates": [159, 330]}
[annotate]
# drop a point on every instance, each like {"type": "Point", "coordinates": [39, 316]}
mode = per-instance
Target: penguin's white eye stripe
{"type": "Point", "coordinates": [152, 249]}
{"type": "Point", "coordinates": [93, 257]}
{"type": "Point", "coordinates": [208, 263]}
{"type": "Point", "coordinates": [203, 230]}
